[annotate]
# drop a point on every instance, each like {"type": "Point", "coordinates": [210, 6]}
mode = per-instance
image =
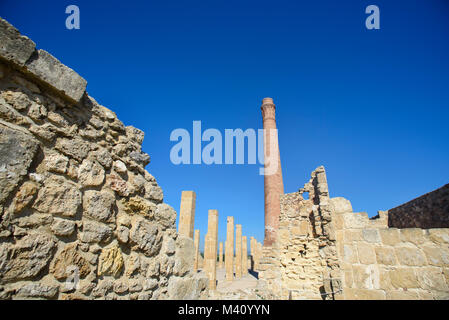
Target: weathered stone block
{"type": "Point", "coordinates": [413, 235]}
{"type": "Point", "coordinates": [24, 196]}
{"type": "Point", "coordinates": [139, 206]}
{"type": "Point", "coordinates": [13, 46]}
{"type": "Point", "coordinates": [439, 236]}
{"type": "Point", "coordinates": [410, 256]}
{"type": "Point", "coordinates": [352, 235]}
{"type": "Point", "coordinates": [62, 227]}
{"type": "Point", "coordinates": [385, 255]}
{"type": "Point", "coordinates": [366, 277]}
{"type": "Point", "coordinates": [110, 262]}
{"type": "Point", "coordinates": [431, 278]}
{"type": "Point", "coordinates": [69, 257]}
{"type": "Point", "coordinates": [350, 255]}
{"type": "Point", "coordinates": [17, 151]}
{"type": "Point", "coordinates": [366, 253]}
{"type": "Point", "coordinates": [95, 232]}
{"type": "Point", "coordinates": [403, 278]}
{"type": "Point", "coordinates": [166, 216]}
{"type": "Point", "coordinates": [436, 256]}
{"type": "Point", "coordinates": [364, 294]}
{"type": "Point", "coordinates": [147, 237]}
{"type": "Point", "coordinates": [184, 256]}
{"type": "Point", "coordinates": [98, 205]}
{"type": "Point", "coordinates": [390, 236]}
{"type": "Point", "coordinates": [58, 196]}
{"type": "Point", "coordinates": [188, 288]}
{"type": "Point", "coordinates": [56, 162]}
{"type": "Point", "coordinates": [90, 173]}
{"type": "Point", "coordinates": [371, 235]}
{"type": "Point", "coordinates": [340, 205]}
{"type": "Point", "coordinates": [402, 295]}
{"type": "Point", "coordinates": [355, 220]}
{"type": "Point", "coordinates": [27, 258]}
{"type": "Point", "coordinates": [75, 148]}
{"type": "Point", "coordinates": [48, 69]}
{"type": "Point", "coordinates": [38, 290]}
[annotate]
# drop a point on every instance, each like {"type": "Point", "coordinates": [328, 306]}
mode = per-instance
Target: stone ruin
{"type": "Point", "coordinates": [317, 248]}
{"type": "Point", "coordinates": [324, 250]}
{"type": "Point", "coordinates": [235, 262]}
{"type": "Point", "coordinates": [80, 217]}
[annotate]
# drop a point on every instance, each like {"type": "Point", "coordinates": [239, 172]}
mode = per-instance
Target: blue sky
{"type": "Point", "coordinates": [372, 106]}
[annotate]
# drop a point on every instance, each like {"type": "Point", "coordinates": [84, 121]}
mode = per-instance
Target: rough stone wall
{"type": "Point", "coordinates": [75, 199]}
{"type": "Point", "coordinates": [428, 211]}
{"type": "Point", "coordinates": [379, 262]}
{"type": "Point", "coordinates": [302, 263]}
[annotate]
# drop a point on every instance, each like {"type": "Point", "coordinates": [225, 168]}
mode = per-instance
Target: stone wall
{"type": "Point", "coordinates": [303, 263]}
{"type": "Point", "coordinates": [379, 262]}
{"type": "Point", "coordinates": [80, 217]}
{"type": "Point", "coordinates": [428, 211]}
{"type": "Point", "coordinates": [326, 251]}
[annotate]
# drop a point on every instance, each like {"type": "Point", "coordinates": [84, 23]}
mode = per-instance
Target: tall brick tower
{"type": "Point", "coordinates": [273, 184]}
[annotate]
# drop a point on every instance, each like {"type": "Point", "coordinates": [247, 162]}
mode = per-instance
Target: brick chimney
{"type": "Point", "coordinates": [273, 184]}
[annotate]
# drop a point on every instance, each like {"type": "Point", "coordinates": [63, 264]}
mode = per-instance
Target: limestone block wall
{"type": "Point", "coordinates": [324, 250]}
{"type": "Point", "coordinates": [80, 217]}
{"type": "Point", "coordinates": [303, 263]}
{"type": "Point", "coordinates": [379, 262]}
{"type": "Point", "coordinates": [428, 211]}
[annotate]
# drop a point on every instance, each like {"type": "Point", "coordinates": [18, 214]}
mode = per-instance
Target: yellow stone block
{"type": "Point", "coordinates": [403, 277]}
{"type": "Point", "coordinates": [364, 294]}
{"type": "Point", "coordinates": [390, 236]}
{"type": "Point", "coordinates": [410, 256]}
{"type": "Point", "coordinates": [385, 255]}
{"type": "Point", "coordinates": [402, 295]}
{"type": "Point", "coordinates": [366, 253]}
{"type": "Point", "coordinates": [413, 235]}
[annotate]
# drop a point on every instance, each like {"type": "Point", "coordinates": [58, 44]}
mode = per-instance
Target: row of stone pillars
{"type": "Point", "coordinates": [236, 265]}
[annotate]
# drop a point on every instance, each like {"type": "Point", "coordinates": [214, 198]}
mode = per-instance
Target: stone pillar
{"type": "Point", "coordinates": [251, 247]}
{"type": "Point", "coordinates": [220, 256]}
{"type": "Point", "coordinates": [196, 243]}
{"type": "Point", "coordinates": [273, 184]}
{"type": "Point", "coordinates": [258, 254]}
{"type": "Point", "coordinates": [244, 256]}
{"type": "Point", "coordinates": [255, 254]}
{"type": "Point", "coordinates": [210, 249]}
{"type": "Point", "coordinates": [229, 249]}
{"type": "Point", "coordinates": [238, 251]}
{"type": "Point", "coordinates": [187, 214]}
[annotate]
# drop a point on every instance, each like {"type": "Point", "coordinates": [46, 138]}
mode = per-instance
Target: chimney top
{"type": "Point", "coordinates": [267, 101]}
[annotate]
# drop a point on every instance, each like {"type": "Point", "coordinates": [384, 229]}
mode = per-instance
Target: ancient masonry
{"type": "Point", "coordinates": [80, 217]}
{"type": "Point", "coordinates": [220, 256]}
{"type": "Point", "coordinates": [196, 242]}
{"type": "Point", "coordinates": [187, 214]}
{"type": "Point", "coordinates": [323, 250]}
{"type": "Point", "coordinates": [238, 251]}
{"type": "Point", "coordinates": [210, 249]}
{"type": "Point", "coordinates": [244, 255]}
{"type": "Point", "coordinates": [237, 266]}
{"type": "Point", "coordinates": [229, 249]}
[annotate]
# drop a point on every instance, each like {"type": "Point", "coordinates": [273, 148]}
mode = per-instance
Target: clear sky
{"type": "Point", "coordinates": [372, 106]}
